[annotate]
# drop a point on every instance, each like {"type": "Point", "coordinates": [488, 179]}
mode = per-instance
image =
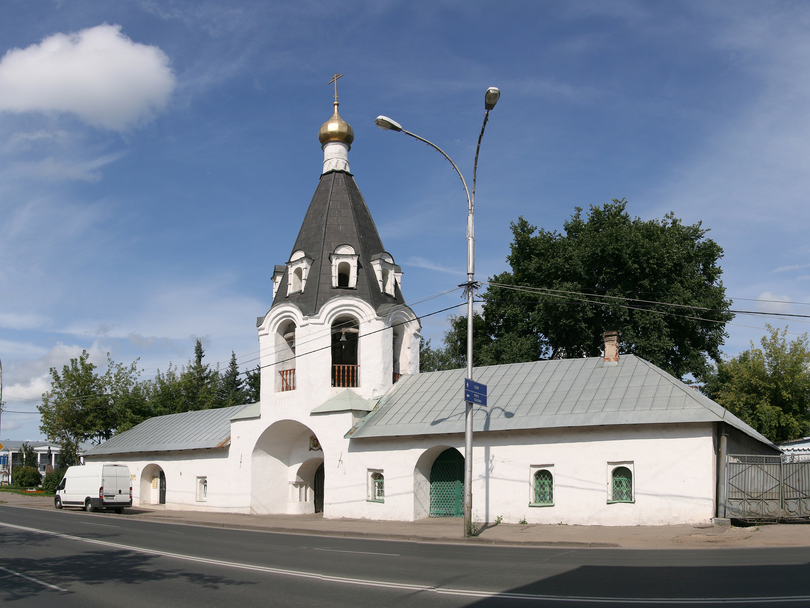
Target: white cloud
{"type": "Point", "coordinates": [768, 302]}
{"type": "Point", "coordinates": [19, 321]}
{"type": "Point", "coordinates": [423, 263]}
{"type": "Point", "coordinates": [28, 392]}
{"type": "Point", "coordinates": [792, 267]}
{"type": "Point", "coordinates": [30, 139]}
{"type": "Point", "coordinates": [98, 74]}
{"type": "Point", "coordinates": [52, 169]}
{"type": "Point", "coordinates": [210, 17]}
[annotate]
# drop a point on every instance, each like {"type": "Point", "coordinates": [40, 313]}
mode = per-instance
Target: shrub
{"type": "Point", "coordinates": [51, 481]}
{"type": "Point", "coordinates": [26, 477]}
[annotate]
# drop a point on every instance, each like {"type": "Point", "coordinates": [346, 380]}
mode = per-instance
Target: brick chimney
{"type": "Point", "coordinates": [611, 346]}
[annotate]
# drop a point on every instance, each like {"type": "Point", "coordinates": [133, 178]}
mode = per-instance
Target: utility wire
{"type": "Point", "coordinates": [331, 331]}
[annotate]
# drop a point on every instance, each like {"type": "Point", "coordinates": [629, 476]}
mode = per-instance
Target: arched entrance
{"type": "Point", "coordinates": [153, 486]}
{"type": "Point", "coordinates": [284, 470]}
{"type": "Point", "coordinates": [447, 484]}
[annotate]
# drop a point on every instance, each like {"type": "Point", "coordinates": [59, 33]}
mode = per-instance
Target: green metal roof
{"type": "Point", "coordinates": [544, 394]}
{"type": "Point", "coordinates": [345, 401]}
{"type": "Point", "coordinates": [198, 430]}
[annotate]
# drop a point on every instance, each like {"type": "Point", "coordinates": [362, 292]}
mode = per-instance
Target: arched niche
{"type": "Point", "coordinates": [283, 458]}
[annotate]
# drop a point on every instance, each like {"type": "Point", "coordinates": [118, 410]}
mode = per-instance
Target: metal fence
{"type": "Point", "coordinates": [767, 487]}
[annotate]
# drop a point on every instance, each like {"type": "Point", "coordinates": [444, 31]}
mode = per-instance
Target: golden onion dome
{"type": "Point", "coordinates": [336, 129]}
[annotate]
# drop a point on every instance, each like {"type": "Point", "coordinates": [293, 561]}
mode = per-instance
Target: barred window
{"type": "Point", "coordinates": [543, 487]}
{"type": "Point", "coordinates": [376, 486]}
{"type": "Point", "coordinates": [622, 485]}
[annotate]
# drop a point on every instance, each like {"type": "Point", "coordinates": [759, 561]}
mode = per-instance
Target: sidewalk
{"type": "Point", "coordinates": [451, 530]}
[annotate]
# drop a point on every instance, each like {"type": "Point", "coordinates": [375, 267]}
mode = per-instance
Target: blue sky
{"type": "Point", "coordinates": [157, 157]}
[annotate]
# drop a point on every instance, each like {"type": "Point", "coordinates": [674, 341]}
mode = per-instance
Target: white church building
{"type": "Point", "coordinates": [347, 425]}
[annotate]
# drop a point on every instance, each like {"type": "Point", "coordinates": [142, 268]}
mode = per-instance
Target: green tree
{"type": "Point", "coordinates": [76, 389]}
{"type": "Point", "coordinates": [51, 481]}
{"type": "Point", "coordinates": [432, 359]}
{"type": "Point", "coordinates": [28, 457]}
{"type": "Point", "coordinates": [26, 477]}
{"type": "Point", "coordinates": [767, 388]}
{"type": "Point", "coordinates": [82, 405]}
{"type": "Point", "coordinates": [231, 386]}
{"type": "Point", "coordinates": [165, 393]}
{"type": "Point", "coordinates": [199, 382]}
{"type": "Point", "coordinates": [607, 271]}
{"type": "Point", "coordinates": [253, 384]}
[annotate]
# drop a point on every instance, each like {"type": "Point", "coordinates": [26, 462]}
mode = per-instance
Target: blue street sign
{"type": "Point", "coordinates": [475, 392]}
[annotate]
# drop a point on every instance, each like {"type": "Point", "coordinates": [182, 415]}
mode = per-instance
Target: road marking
{"type": "Point", "coordinates": [90, 523]}
{"type": "Point", "coordinates": [802, 599]}
{"type": "Point", "coordinates": [357, 552]}
{"type": "Point", "coordinates": [34, 580]}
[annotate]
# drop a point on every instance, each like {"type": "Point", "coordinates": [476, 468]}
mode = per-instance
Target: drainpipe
{"type": "Point", "coordinates": [722, 470]}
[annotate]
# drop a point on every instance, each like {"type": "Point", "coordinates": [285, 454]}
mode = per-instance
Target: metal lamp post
{"type": "Point", "coordinates": [490, 99]}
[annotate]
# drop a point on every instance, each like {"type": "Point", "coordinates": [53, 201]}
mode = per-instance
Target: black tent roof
{"type": "Point", "coordinates": [337, 215]}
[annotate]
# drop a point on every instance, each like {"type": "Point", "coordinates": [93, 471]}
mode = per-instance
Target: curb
{"type": "Point", "coordinates": [384, 536]}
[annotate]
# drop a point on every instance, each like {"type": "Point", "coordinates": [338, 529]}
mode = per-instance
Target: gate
{"type": "Point", "coordinates": [767, 487]}
{"type": "Point", "coordinates": [447, 484]}
{"type": "Point", "coordinates": [162, 489]}
{"type": "Point", "coordinates": [317, 487]}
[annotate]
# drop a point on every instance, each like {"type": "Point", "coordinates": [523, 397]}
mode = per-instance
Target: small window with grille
{"type": "Point", "coordinates": [620, 482]}
{"type": "Point", "coordinates": [542, 486]}
{"type": "Point", "coordinates": [376, 486]}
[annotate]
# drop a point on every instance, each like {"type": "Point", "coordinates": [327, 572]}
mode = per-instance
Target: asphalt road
{"type": "Point", "coordinates": [71, 558]}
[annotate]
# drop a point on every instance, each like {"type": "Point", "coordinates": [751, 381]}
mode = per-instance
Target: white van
{"type": "Point", "coordinates": [95, 486]}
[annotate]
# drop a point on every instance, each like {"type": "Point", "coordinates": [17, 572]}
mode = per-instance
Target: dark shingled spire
{"type": "Point", "coordinates": [337, 215]}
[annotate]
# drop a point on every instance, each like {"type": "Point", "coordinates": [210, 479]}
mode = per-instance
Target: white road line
{"type": "Point", "coordinates": [803, 599]}
{"type": "Point", "coordinates": [33, 580]}
{"type": "Point", "coordinates": [357, 552]}
{"type": "Point", "coordinates": [90, 523]}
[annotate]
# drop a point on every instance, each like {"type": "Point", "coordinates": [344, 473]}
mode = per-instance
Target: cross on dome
{"type": "Point", "coordinates": [336, 129]}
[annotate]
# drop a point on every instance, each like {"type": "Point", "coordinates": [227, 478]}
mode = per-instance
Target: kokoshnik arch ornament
{"type": "Point", "coordinates": [387, 124]}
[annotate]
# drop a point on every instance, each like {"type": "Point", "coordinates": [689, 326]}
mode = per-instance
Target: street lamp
{"type": "Point", "coordinates": [387, 124]}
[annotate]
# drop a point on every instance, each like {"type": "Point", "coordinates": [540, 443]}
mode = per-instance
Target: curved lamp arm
{"type": "Point", "coordinates": [388, 124]}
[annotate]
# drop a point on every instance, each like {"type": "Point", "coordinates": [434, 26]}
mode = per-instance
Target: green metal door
{"type": "Point", "coordinates": [447, 485]}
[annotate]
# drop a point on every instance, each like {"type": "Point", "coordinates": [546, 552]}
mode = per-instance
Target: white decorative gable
{"type": "Point", "coordinates": [388, 273]}
{"type": "Point", "coordinates": [278, 274]}
{"type": "Point", "coordinates": [298, 271]}
{"type": "Point", "coordinates": [344, 267]}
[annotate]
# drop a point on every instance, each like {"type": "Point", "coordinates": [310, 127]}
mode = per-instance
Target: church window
{"type": "Point", "coordinates": [297, 272]}
{"type": "Point", "coordinates": [344, 271]}
{"type": "Point", "coordinates": [620, 482]}
{"type": "Point", "coordinates": [345, 368]}
{"type": "Point", "coordinates": [344, 267]}
{"type": "Point", "coordinates": [396, 347]}
{"type": "Point", "coordinates": [542, 481]}
{"type": "Point", "coordinates": [376, 486]}
{"type": "Point", "coordinates": [285, 357]}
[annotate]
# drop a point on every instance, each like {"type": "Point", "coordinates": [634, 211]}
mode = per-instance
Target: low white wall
{"type": "Point", "coordinates": [228, 487]}
{"type": "Point", "coordinates": [673, 475]}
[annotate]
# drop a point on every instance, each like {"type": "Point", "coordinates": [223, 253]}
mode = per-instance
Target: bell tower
{"type": "Point", "coordinates": [338, 319]}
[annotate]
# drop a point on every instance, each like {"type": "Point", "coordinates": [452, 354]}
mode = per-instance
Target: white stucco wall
{"type": "Point", "coordinates": [227, 478]}
{"type": "Point", "coordinates": [673, 469]}
{"type": "Point", "coordinates": [673, 473]}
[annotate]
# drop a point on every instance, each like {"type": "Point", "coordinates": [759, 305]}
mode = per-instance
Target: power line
{"type": "Point", "coordinates": [568, 295]}
{"type": "Point", "coordinates": [339, 327]}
